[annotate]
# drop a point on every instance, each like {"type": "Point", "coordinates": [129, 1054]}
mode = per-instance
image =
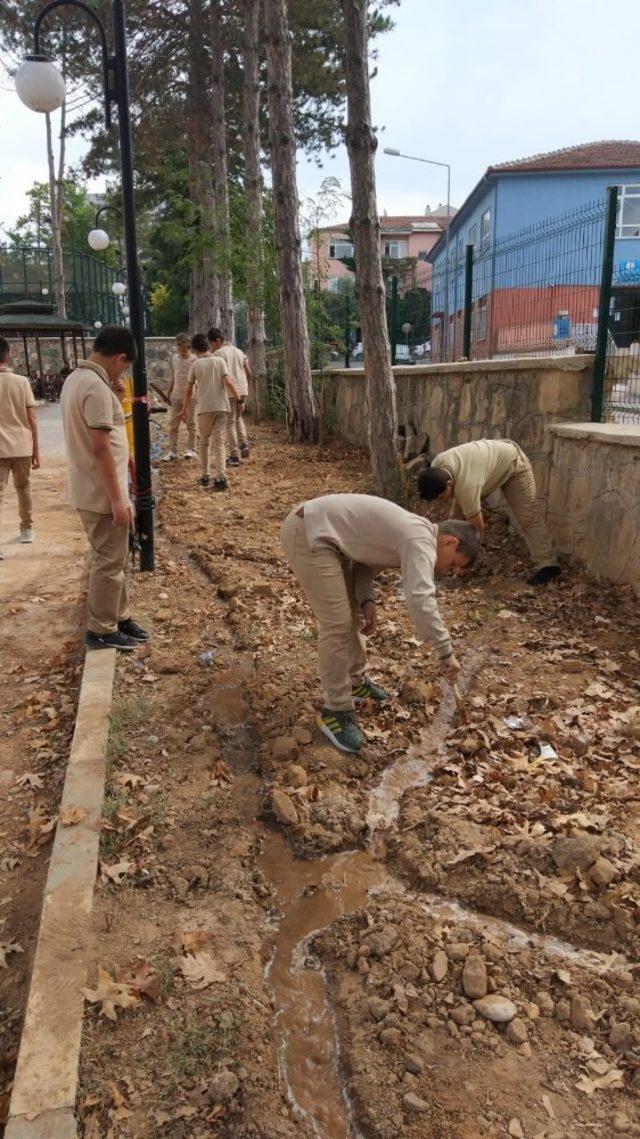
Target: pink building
{"type": "Point", "coordinates": [400, 238]}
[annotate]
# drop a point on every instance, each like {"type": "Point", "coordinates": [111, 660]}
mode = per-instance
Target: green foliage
{"type": "Point", "coordinates": [78, 216]}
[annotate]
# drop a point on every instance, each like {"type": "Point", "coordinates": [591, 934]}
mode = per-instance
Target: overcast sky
{"type": "Point", "coordinates": [468, 82]}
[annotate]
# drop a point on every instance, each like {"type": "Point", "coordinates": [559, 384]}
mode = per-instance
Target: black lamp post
{"type": "Point", "coordinates": [41, 87]}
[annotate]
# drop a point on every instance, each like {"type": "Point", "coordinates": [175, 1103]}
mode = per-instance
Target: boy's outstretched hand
{"type": "Point", "coordinates": [370, 615]}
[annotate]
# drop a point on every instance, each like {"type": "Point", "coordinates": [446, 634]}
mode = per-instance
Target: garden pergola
{"type": "Point", "coordinates": [30, 320]}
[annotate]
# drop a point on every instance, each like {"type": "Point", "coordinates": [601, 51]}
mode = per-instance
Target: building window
{"type": "Point", "coordinates": [485, 230]}
{"type": "Point", "coordinates": [481, 318]}
{"type": "Point", "coordinates": [332, 284]}
{"type": "Point", "coordinates": [461, 251]}
{"type": "Point", "coordinates": [473, 235]}
{"type": "Point", "coordinates": [628, 211]}
{"type": "Point", "coordinates": [339, 249]}
{"type": "Point", "coordinates": [395, 249]}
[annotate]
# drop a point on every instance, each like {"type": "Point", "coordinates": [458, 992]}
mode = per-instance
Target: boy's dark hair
{"type": "Point", "coordinates": [5, 349]}
{"type": "Point", "coordinates": [114, 340]}
{"type": "Point", "coordinates": [432, 482]}
{"type": "Point", "coordinates": [467, 535]}
{"type": "Point", "coordinates": [199, 342]}
{"type": "Point", "coordinates": [214, 334]}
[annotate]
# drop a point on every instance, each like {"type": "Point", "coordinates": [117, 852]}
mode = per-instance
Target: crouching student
{"type": "Point", "coordinates": [214, 386]}
{"type": "Point", "coordinates": [334, 545]}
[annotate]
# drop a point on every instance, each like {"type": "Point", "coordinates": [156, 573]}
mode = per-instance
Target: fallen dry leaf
{"type": "Point", "coordinates": [142, 977]}
{"type": "Point", "coordinates": [110, 995]}
{"type": "Point", "coordinates": [72, 815]}
{"type": "Point", "coordinates": [200, 970]}
{"type": "Point", "coordinates": [39, 826]}
{"type": "Point", "coordinates": [7, 947]}
{"type": "Point", "coordinates": [129, 779]}
{"type": "Point", "coordinates": [194, 939]}
{"type": "Point", "coordinates": [116, 873]}
{"type": "Point", "coordinates": [30, 779]}
{"type": "Point", "coordinates": [614, 1078]}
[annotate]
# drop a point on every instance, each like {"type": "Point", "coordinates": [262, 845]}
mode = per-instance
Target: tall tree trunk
{"type": "Point", "coordinates": [56, 190]}
{"type": "Point", "coordinates": [222, 247]}
{"type": "Point", "coordinates": [300, 401]}
{"type": "Point", "coordinates": [256, 335]}
{"type": "Point", "coordinates": [370, 290]}
{"type": "Point", "coordinates": [204, 292]}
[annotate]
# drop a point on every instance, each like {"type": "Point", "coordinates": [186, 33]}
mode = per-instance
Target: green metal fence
{"type": "Point", "coordinates": [26, 274]}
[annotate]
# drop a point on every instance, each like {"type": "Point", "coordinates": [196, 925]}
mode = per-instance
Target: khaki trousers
{"type": "Point", "coordinates": [107, 600]}
{"type": "Point", "coordinates": [21, 470]}
{"type": "Point", "coordinates": [212, 429]}
{"type": "Point", "coordinates": [175, 421]}
{"type": "Point", "coordinates": [327, 580]}
{"type": "Point", "coordinates": [237, 433]}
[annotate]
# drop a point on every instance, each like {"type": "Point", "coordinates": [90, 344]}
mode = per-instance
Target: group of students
{"type": "Point", "coordinates": [208, 389]}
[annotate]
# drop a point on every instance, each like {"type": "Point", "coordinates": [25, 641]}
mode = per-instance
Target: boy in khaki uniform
{"type": "Point", "coordinates": [240, 371]}
{"type": "Point", "coordinates": [19, 448]}
{"type": "Point", "coordinates": [334, 545]}
{"type": "Point", "coordinates": [213, 386]}
{"type": "Point", "coordinates": [472, 471]}
{"type": "Point", "coordinates": [98, 453]}
{"type": "Point", "coordinates": [181, 362]}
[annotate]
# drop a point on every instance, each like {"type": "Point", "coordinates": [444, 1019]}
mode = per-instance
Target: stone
{"type": "Point", "coordinates": [416, 692]}
{"type": "Point", "coordinates": [602, 873]}
{"type": "Point", "coordinates": [196, 875]}
{"type": "Point", "coordinates": [581, 1014]}
{"type": "Point", "coordinates": [531, 1010]}
{"type": "Point", "coordinates": [392, 1037]}
{"type": "Point", "coordinates": [463, 1014]}
{"type": "Point", "coordinates": [378, 1008]}
{"type": "Point", "coordinates": [545, 1003]}
{"type": "Point", "coordinates": [283, 808]}
{"type": "Point", "coordinates": [263, 589]}
{"type": "Point", "coordinates": [412, 1102]}
{"type": "Point", "coordinates": [621, 1124]}
{"type": "Point", "coordinates": [297, 776]}
{"type": "Point", "coordinates": [457, 950]}
{"type": "Point", "coordinates": [285, 747]}
{"type": "Point", "coordinates": [621, 1037]}
{"type": "Point", "coordinates": [515, 1129]}
{"type": "Point", "coordinates": [163, 614]}
{"type": "Point", "coordinates": [413, 1063]}
{"type": "Point", "coordinates": [525, 1050]}
{"type": "Point", "coordinates": [516, 1031]}
{"type": "Point", "coordinates": [474, 976]}
{"type": "Point", "coordinates": [439, 966]}
{"type": "Point", "coordinates": [563, 1011]}
{"type": "Point", "coordinates": [581, 852]}
{"type": "Point", "coordinates": [180, 885]}
{"type": "Point", "coordinates": [623, 922]}
{"type": "Point", "coordinates": [163, 665]}
{"type": "Point", "coordinates": [301, 734]}
{"type": "Point", "coordinates": [222, 1086]}
{"type": "Point", "coordinates": [383, 941]}
{"type": "Point", "coordinates": [499, 1010]}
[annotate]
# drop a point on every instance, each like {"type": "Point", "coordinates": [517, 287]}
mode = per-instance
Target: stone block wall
{"type": "Point", "coordinates": [593, 508]}
{"type": "Point", "coordinates": [158, 350]}
{"type": "Point", "coordinates": [455, 403]}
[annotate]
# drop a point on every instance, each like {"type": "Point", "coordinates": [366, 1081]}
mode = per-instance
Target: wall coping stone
{"type": "Point", "coordinates": [626, 434]}
{"type": "Point", "coordinates": [518, 364]}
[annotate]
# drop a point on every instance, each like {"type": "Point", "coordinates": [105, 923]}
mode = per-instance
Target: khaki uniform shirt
{"type": "Point", "coordinates": [16, 440]}
{"type": "Point", "coordinates": [181, 372]}
{"type": "Point", "coordinates": [235, 361]}
{"type": "Point", "coordinates": [209, 373]}
{"type": "Point", "coordinates": [376, 534]}
{"type": "Point", "coordinates": [477, 469]}
{"type": "Point", "coordinates": [88, 401]}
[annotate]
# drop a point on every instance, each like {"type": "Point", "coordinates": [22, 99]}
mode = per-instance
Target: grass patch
{"type": "Point", "coordinates": [197, 1045]}
{"type": "Point", "coordinates": [128, 713]}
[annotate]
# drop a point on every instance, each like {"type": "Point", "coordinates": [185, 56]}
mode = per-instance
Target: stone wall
{"type": "Point", "coordinates": [158, 350]}
{"type": "Point", "coordinates": [593, 508]}
{"type": "Point", "coordinates": [455, 403]}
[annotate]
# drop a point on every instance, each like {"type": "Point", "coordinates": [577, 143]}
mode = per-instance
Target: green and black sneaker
{"type": "Point", "coordinates": [341, 729]}
{"type": "Point", "coordinates": [368, 690]}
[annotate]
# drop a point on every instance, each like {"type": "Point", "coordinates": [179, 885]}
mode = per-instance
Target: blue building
{"type": "Point", "coordinates": [536, 225]}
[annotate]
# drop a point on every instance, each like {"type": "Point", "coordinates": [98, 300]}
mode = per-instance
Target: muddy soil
{"type": "Point", "coordinates": [249, 871]}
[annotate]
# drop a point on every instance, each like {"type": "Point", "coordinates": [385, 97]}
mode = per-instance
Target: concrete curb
{"type": "Point", "coordinates": [44, 1089]}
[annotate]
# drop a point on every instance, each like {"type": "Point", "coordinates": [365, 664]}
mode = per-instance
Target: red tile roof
{"type": "Point", "coordinates": [610, 154]}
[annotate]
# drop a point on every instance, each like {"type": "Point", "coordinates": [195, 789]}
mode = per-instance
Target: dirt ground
{"type": "Point", "coordinates": [299, 943]}
{"type": "Point", "coordinates": [41, 603]}
{"type": "Point", "coordinates": [340, 981]}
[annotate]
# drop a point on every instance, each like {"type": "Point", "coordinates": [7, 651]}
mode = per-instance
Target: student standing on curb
{"type": "Point", "coordinates": [214, 388]}
{"type": "Point", "coordinates": [98, 453]}
{"type": "Point", "coordinates": [334, 545]}
{"type": "Point", "coordinates": [19, 447]}
{"type": "Point", "coordinates": [181, 362]}
{"type": "Point", "coordinates": [472, 471]}
{"type": "Point", "coordinates": [240, 371]}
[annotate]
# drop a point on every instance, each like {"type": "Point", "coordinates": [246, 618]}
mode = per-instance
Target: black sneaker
{"type": "Point", "coordinates": [204, 480]}
{"type": "Point", "coordinates": [220, 484]}
{"type": "Point", "coordinates": [131, 628]}
{"type": "Point", "coordinates": [118, 640]}
{"type": "Point", "coordinates": [544, 575]}
{"type": "Point", "coordinates": [233, 461]}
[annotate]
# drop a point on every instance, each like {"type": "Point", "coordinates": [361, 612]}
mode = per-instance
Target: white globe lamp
{"type": "Point", "coordinates": [97, 324]}
{"type": "Point", "coordinates": [39, 84]}
{"type": "Point", "coordinates": [98, 239]}
{"type": "Point", "coordinates": [118, 289]}
{"type": "Point", "coordinates": [125, 311]}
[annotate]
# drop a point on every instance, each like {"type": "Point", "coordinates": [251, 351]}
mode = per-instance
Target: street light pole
{"type": "Point", "coordinates": [41, 86]}
{"type": "Point", "coordinates": [447, 271]}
